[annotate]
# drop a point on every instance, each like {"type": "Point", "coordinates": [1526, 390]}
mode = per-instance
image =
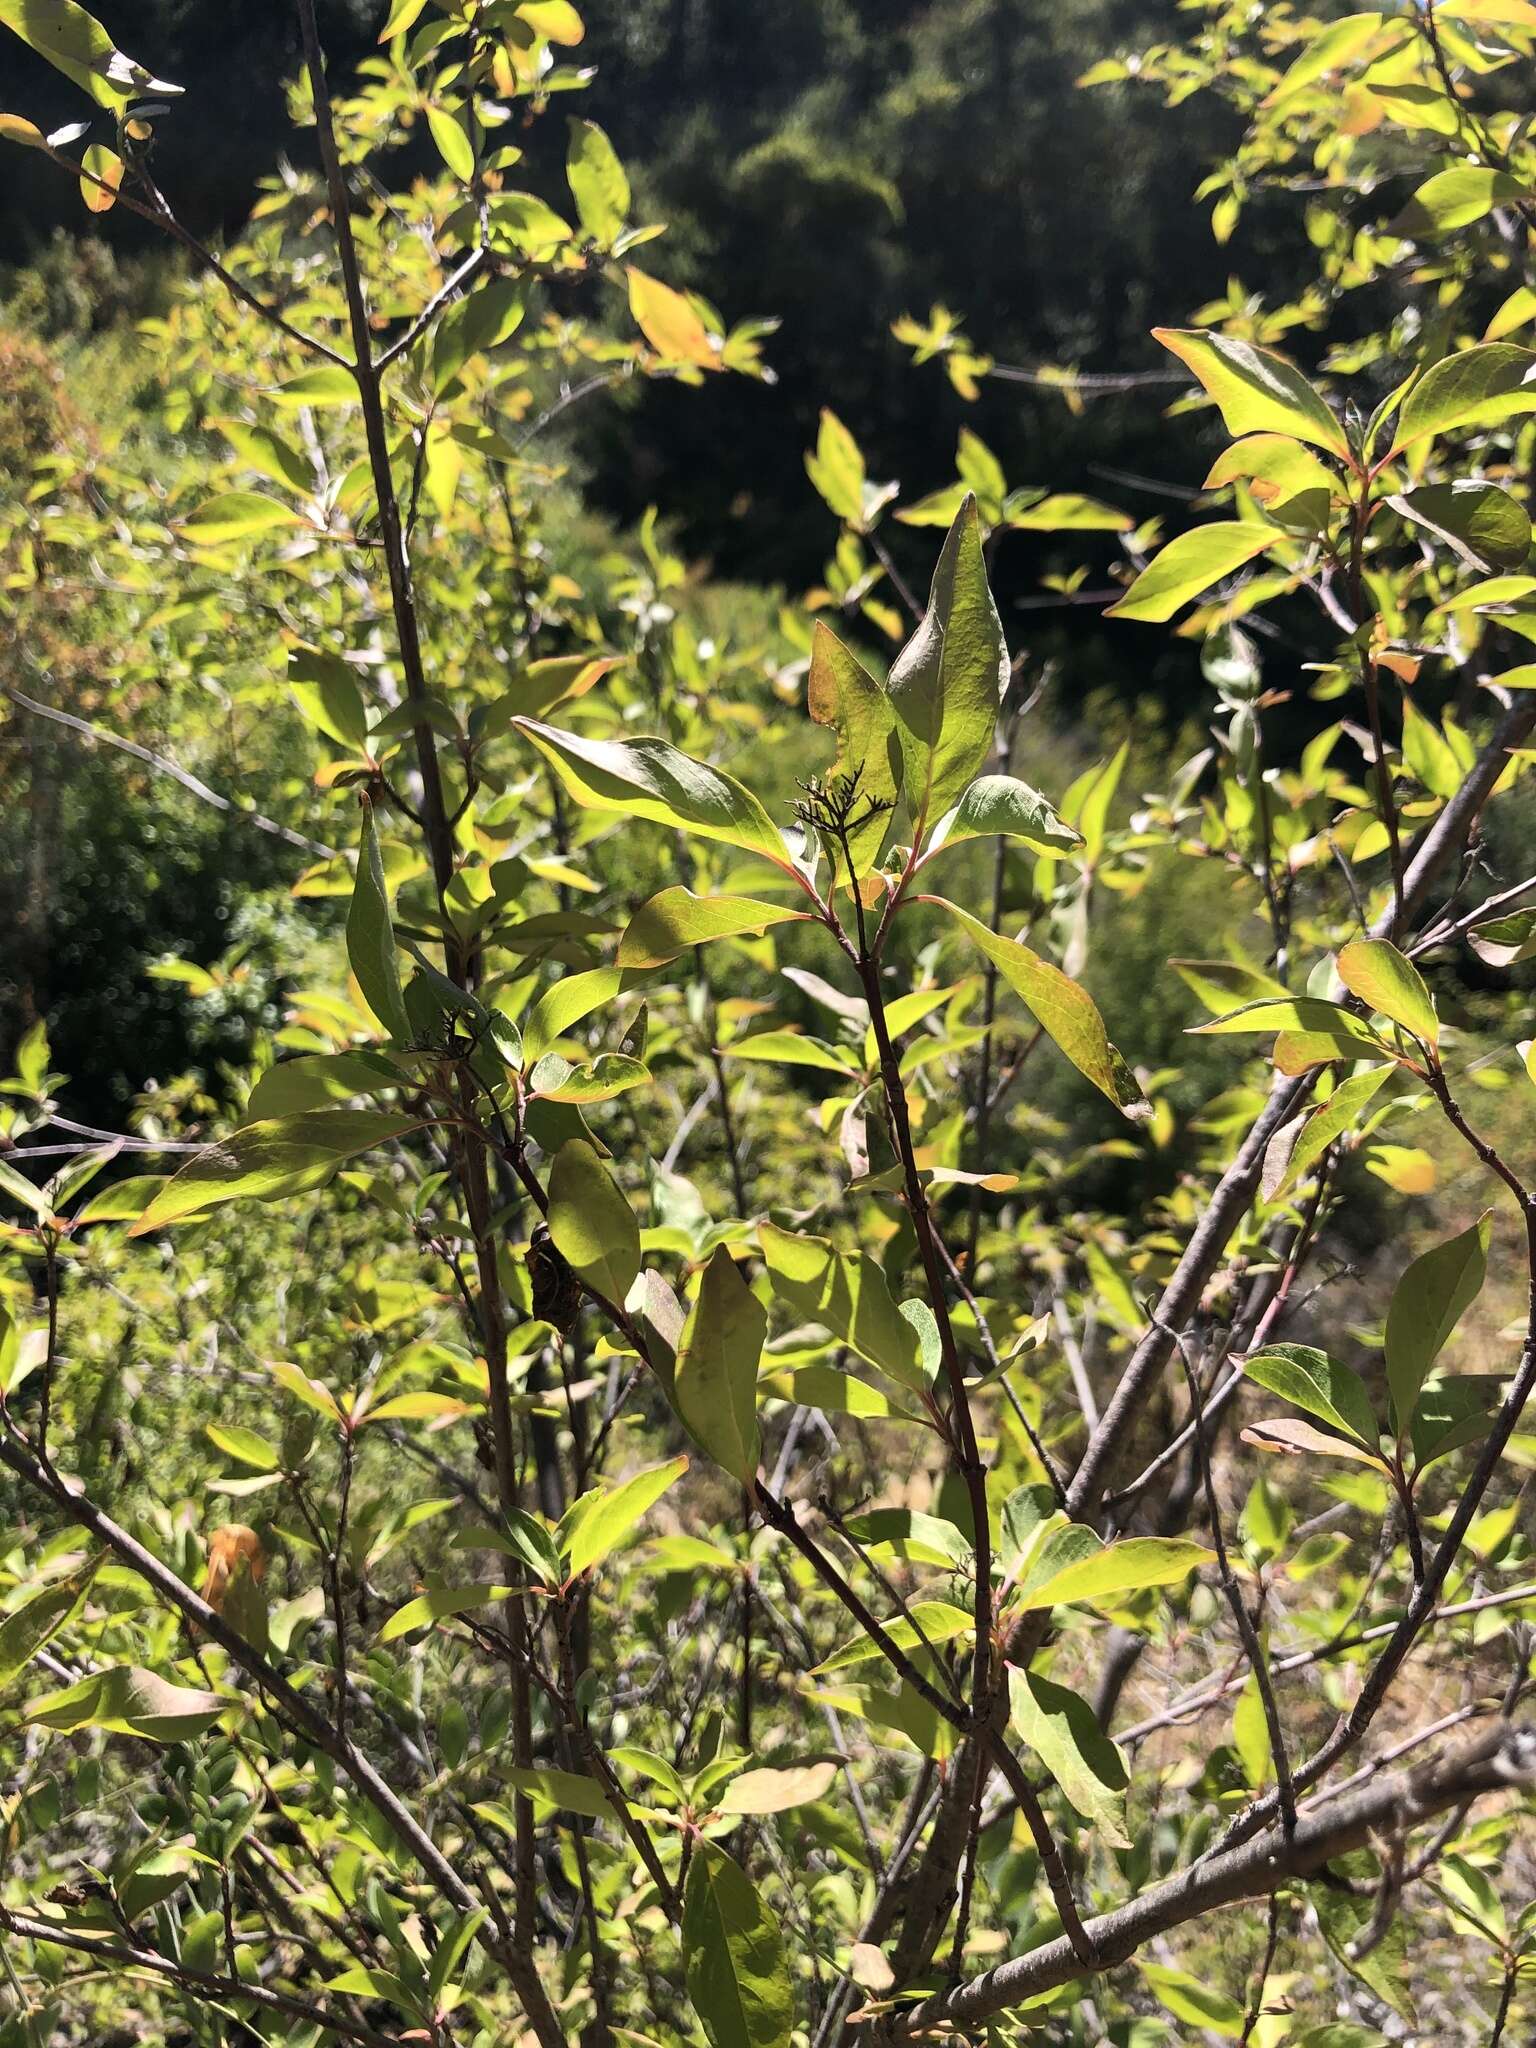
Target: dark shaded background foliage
{"type": "Point", "coordinates": [835, 163]}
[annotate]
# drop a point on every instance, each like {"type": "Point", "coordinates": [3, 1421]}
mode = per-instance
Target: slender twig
{"type": "Point", "coordinates": [162, 766]}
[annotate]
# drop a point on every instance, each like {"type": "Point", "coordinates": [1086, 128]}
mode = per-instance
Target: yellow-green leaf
{"type": "Point", "coordinates": [1191, 563]}
{"type": "Point", "coordinates": [593, 1226]}
{"type": "Point", "coordinates": [1067, 1012]}
{"type": "Point", "coordinates": [1376, 972]}
{"type": "Point", "coordinates": [714, 1387]}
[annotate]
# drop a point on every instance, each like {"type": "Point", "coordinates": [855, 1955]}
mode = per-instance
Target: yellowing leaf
{"type": "Point", "coordinates": [669, 322]}
{"type": "Point", "coordinates": [101, 173]}
{"type": "Point", "coordinates": [1376, 972]}
{"type": "Point", "coordinates": [776, 1790]}
{"type": "Point", "coordinates": [1068, 1013]}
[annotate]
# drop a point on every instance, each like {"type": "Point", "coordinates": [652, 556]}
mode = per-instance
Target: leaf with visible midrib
{"type": "Point", "coordinates": [1476, 387]}
{"type": "Point", "coordinates": [1310, 1380]}
{"type": "Point", "coordinates": [647, 778]}
{"type": "Point", "coordinates": [733, 1957]}
{"type": "Point", "coordinates": [1191, 563]}
{"type": "Point", "coordinates": [1062, 1730]}
{"type": "Point", "coordinates": [1257, 390]}
{"type": "Point", "coordinates": [1428, 1302]}
{"type": "Point", "coordinates": [947, 683]}
{"type": "Point", "coordinates": [371, 938]}
{"type": "Point", "coordinates": [593, 1227]}
{"type": "Point", "coordinates": [1068, 1013]}
{"type": "Point", "coordinates": [675, 919]}
{"type": "Point", "coordinates": [841, 693]}
{"type": "Point", "coordinates": [127, 1700]}
{"type": "Point", "coordinates": [1376, 972]}
{"type": "Point", "coordinates": [279, 1156]}
{"type": "Point", "coordinates": [714, 1384]}
{"type": "Point", "coordinates": [595, 1525]}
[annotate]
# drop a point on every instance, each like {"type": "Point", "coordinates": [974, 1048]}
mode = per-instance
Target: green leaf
{"type": "Point", "coordinates": [520, 1535]}
{"type": "Point", "coordinates": [326, 691]}
{"type": "Point", "coordinates": [1382, 977]}
{"type": "Point", "coordinates": [1191, 1999]}
{"type": "Point", "coordinates": [913, 1537]}
{"type": "Point", "coordinates": [244, 1446]}
{"type": "Point", "coordinates": [939, 508]}
{"type": "Point", "coordinates": [1000, 804]}
{"type": "Point", "coordinates": [1062, 1730]}
{"type": "Point", "coordinates": [1451, 1412]}
{"type": "Point", "coordinates": [1066, 512]}
{"type": "Point", "coordinates": [1454, 199]}
{"type": "Point", "coordinates": [27, 1628]}
{"type": "Point", "coordinates": [1311, 1014]}
{"type": "Point", "coordinates": [1482, 524]}
{"type": "Point", "coordinates": [573, 997]}
{"type": "Point", "coordinates": [125, 1700]}
{"type": "Point", "coordinates": [1258, 391]}
{"type": "Point", "coordinates": [597, 181]}
{"type": "Point", "coordinates": [1218, 983]}
{"type": "Point", "coordinates": [714, 1386]}
{"type": "Point", "coordinates": [836, 469]}
{"type": "Point", "coordinates": [439, 1603]}
{"type": "Point", "coordinates": [1344, 1917]}
{"type": "Point", "coordinates": [673, 920]}
{"type": "Point", "coordinates": [593, 1226]}
{"type": "Point", "coordinates": [848, 1295]}
{"type": "Point", "coordinates": [1331, 1120]}
{"type": "Point", "coordinates": [1310, 1380]}
{"type": "Point", "coordinates": [279, 1156]}
{"type": "Point", "coordinates": [401, 16]}
{"type": "Point", "coordinates": [596, 1524]}
{"type": "Point", "coordinates": [649, 779]}
{"type": "Point", "coordinates": [1428, 1302]}
{"type": "Point", "coordinates": [733, 1957]}
{"type": "Point", "coordinates": [776, 1789]}
{"type": "Point", "coordinates": [1480, 387]}
{"type": "Point", "coordinates": [235, 515]}
{"type": "Point", "coordinates": [326, 384]}
{"type": "Point", "coordinates": [1067, 1012]}
{"type": "Point", "coordinates": [540, 687]}
{"type": "Point", "coordinates": [21, 1190]}
{"type": "Point", "coordinates": [318, 1081]}
{"type": "Point", "coordinates": [371, 938]}
{"type": "Point", "coordinates": [453, 143]}
{"type": "Point", "coordinates": [572, 1791]}
{"type": "Point", "coordinates": [75, 43]}
{"type": "Point", "coordinates": [1106, 1571]}
{"type": "Point", "coordinates": [823, 1386]}
{"type": "Point", "coordinates": [841, 693]}
{"type": "Point", "coordinates": [1190, 563]}
{"type": "Point", "coordinates": [946, 685]}
{"type": "Point", "coordinates": [793, 1049]}
{"type": "Point", "coordinates": [1505, 941]}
